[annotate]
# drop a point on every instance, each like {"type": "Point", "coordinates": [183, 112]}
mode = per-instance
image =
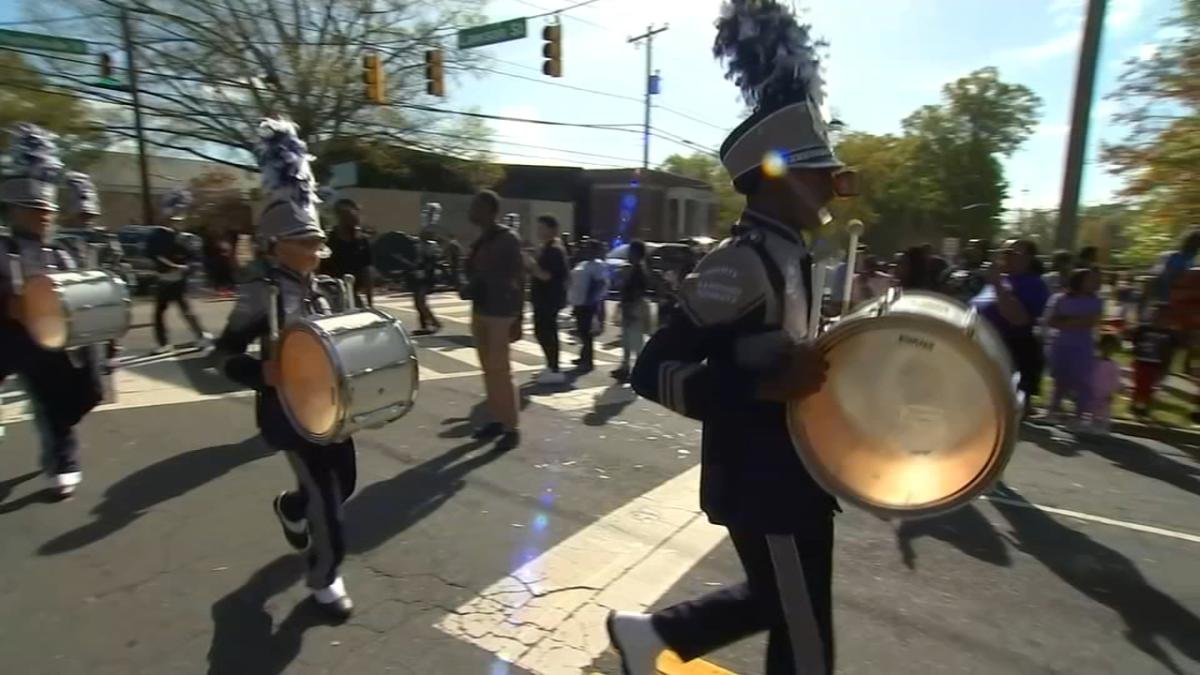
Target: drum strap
{"type": "Point", "coordinates": [775, 275]}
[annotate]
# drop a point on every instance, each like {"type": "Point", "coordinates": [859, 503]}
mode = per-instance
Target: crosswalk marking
{"type": "Point", "coordinates": [548, 615]}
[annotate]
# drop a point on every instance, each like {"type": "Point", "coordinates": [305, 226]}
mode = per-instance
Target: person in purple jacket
{"type": "Point", "coordinates": [1071, 319]}
{"type": "Point", "coordinates": [1013, 301]}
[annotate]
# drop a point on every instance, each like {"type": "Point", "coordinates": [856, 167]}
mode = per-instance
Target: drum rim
{"type": "Point", "coordinates": [311, 325]}
{"type": "Point", "coordinates": [1008, 425]}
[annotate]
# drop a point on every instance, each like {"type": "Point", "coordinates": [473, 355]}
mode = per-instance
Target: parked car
{"type": "Point", "coordinates": [660, 258]}
{"type": "Point", "coordinates": [133, 240]}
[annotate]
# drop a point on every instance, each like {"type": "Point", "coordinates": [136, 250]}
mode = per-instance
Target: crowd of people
{"type": "Point", "coordinates": [1067, 318]}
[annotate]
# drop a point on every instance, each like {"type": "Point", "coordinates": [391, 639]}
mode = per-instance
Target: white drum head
{"type": "Point", "coordinates": [911, 417]}
{"type": "Point", "coordinates": [43, 313]}
{"type": "Point", "coordinates": [309, 383]}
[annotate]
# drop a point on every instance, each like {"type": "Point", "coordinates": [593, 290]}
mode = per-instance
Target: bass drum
{"type": "Point", "coordinates": [343, 373]}
{"type": "Point", "coordinates": [919, 412]}
{"type": "Point", "coordinates": [68, 309]}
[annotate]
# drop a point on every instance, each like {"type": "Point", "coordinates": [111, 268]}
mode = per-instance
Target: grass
{"type": "Point", "coordinates": [1170, 408]}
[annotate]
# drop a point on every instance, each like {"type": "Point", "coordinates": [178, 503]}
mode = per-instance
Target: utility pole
{"type": "Point", "coordinates": [648, 36]}
{"type": "Point", "coordinates": [135, 95]}
{"type": "Point", "coordinates": [1085, 85]}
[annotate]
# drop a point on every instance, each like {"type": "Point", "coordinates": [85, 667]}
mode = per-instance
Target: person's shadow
{"type": "Point", "coordinates": [1105, 576]}
{"type": "Point", "coordinates": [133, 496]}
{"type": "Point", "coordinates": [1144, 461]}
{"type": "Point", "coordinates": [609, 404]}
{"type": "Point", "coordinates": [965, 528]}
{"type": "Point", "coordinates": [36, 497]}
{"type": "Point", "coordinates": [243, 638]}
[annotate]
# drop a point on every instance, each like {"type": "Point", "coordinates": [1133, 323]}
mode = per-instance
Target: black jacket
{"type": "Point", "coordinates": [739, 312]}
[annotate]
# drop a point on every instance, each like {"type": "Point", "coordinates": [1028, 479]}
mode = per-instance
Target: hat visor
{"type": "Point", "coordinates": [35, 204]}
{"type": "Point", "coordinates": [302, 233]}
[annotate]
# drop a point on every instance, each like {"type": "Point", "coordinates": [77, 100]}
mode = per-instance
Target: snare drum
{"type": "Point", "coordinates": [346, 372]}
{"type": "Point", "coordinates": [68, 309]}
{"type": "Point", "coordinates": [919, 411]}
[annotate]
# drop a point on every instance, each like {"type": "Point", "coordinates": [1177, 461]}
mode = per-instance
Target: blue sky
{"type": "Point", "coordinates": [886, 58]}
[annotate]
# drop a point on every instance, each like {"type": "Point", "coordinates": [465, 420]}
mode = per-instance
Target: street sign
{"type": "Point", "coordinates": [43, 43]}
{"type": "Point", "coordinates": [492, 33]}
{"type": "Point", "coordinates": [111, 83]}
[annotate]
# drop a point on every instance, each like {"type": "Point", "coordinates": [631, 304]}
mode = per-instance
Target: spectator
{"type": "Point", "coordinates": [548, 291]}
{"type": "Point", "coordinates": [173, 260]}
{"type": "Point", "coordinates": [1071, 319]}
{"type": "Point", "coordinates": [1062, 264]}
{"type": "Point", "coordinates": [1154, 345]}
{"type": "Point", "coordinates": [1172, 266]}
{"type": "Point", "coordinates": [912, 270]}
{"type": "Point", "coordinates": [936, 267]}
{"type": "Point", "coordinates": [635, 311]}
{"type": "Point", "coordinates": [872, 282]}
{"type": "Point", "coordinates": [1089, 258]}
{"type": "Point", "coordinates": [496, 287]}
{"type": "Point", "coordinates": [968, 278]}
{"type": "Point", "coordinates": [1013, 301]}
{"type": "Point", "coordinates": [454, 253]}
{"type": "Point", "coordinates": [589, 286]}
{"type": "Point", "coordinates": [1106, 382]}
{"type": "Point", "coordinates": [350, 251]}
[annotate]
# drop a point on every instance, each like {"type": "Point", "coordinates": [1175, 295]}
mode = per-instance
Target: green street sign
{"type": "Point", "coordinates": [44, 43]}
{"type": "Point", "coordinates": [492, 33]}
{"type": "Point", "coordinates": [111, 83]}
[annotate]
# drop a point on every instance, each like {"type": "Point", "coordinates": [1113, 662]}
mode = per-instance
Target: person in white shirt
{"type": "Point", "coordinates": [589, 286]}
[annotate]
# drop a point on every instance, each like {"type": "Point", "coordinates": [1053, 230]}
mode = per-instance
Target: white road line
{"type": "Point", "coordinates": [548, 615]}
{"type": "Point", "coordinates": [1087, 517]}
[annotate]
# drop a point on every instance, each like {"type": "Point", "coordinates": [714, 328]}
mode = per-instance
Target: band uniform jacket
{"type": "Point", "coordinates": [65, 380]}
{"type": "Point", "coordinates": [250, 322]}
{"type": "Point", "coordinates": [738, 313]}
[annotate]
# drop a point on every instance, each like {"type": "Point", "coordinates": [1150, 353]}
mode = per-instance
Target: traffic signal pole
{"type": "Point", "coordinates": [648, 36]}
{"type": "Point", "coordinates": [135, 98]}
{"type": "Point", "coordinates": [1085, 85]}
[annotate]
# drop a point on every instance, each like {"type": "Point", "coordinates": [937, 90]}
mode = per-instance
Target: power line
{"type": "Point", "coordinates": [559, 84]}
{"type": "Point", "coordinates": [569, 16]}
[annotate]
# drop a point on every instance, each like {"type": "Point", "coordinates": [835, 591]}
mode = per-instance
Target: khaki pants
{"type": "Point", "coordinates": [492, 334]}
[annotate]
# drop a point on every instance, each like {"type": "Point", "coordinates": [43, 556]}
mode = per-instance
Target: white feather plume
{"type": "Point", "coordinates": [32, 153]}
{"type": "Point", "coordinates": [771, 57]}
{"type": "Point", "coordinates": [285, 161]}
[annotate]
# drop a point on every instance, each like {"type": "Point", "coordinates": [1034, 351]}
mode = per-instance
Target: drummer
{"type": "Point", "coordinates": [735, 351]}
{"type": "Point", "coordinates": [62, 385]}
{"type": "Point", "coordinates": [290, 230]}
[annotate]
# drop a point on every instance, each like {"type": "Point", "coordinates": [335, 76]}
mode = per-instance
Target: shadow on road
{"type": "Point", "coordinates": [609, 404]}
{"type": "Point", "coordinates": [1126, 453]}
{"type": "Point", "coordinates": [131, 497]}
{"type": "Point", "coordinates": [966, 529]}
{"type": "Point", "coordinates": [1107, 577]}
{"type": "Point", "coordinates": [6, 487]}
{"type": "Point", "coordinates": [243, 638]}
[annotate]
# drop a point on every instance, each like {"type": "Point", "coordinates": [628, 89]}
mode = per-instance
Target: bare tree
{"type": "Point", "coordinates": [210, 69]}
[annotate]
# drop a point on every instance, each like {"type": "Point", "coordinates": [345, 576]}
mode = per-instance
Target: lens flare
{"type": "Point", "coordinates": [773, 165]}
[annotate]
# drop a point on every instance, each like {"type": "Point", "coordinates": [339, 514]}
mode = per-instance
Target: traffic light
{"type": "Point", "coordinates": [434, 73]}
{"type": "Point", "coordinates": [373, 78]}
{"type": "Point", "coordinates": [106, 69]}
{"type": "Point", "coordinates": [552, 50]}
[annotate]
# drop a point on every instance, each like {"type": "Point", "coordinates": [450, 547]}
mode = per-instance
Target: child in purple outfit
{"type": "Point", "coordinates": [1071, 319]}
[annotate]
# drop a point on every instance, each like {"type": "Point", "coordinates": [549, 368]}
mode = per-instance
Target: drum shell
{"type": "Point", "coordinates": [94, 306]}
{"type": "Point", "coordinates": [941, 323]}
{"type": "Point", "coordinates": [374, 364]}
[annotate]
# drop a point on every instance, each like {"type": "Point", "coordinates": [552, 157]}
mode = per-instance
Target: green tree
{"type": "Point", "coordinates": [705, 167]}
{"type": "Point", "coordinates": [26, 95]}
{"type": "Point", "coordinates": [1159, 157]}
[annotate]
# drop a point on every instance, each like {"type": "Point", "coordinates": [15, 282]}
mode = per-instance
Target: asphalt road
{"type": "Point", "coordinates": [169, 559]}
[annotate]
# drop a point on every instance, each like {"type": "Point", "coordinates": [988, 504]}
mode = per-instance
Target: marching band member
{"type": "Point", "coordinates": [62, 385]}
{"type": "Point", "coordinates": [736, 350]}
{"type": "Point", "coordinates": [82, 209]}
{"type": "Point", "coordinates": [173, 264]}
{"type": "Point", "coordinates": [290, 230]}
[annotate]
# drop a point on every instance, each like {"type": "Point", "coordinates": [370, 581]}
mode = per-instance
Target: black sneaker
{"type": "Point", "coordinates": [508, 441]}
{"type": "Point", "coordinates": [620, 374]}
{"type": "Point", "coordinates": [295, 531]}
{"type": "Point", "coordinates": [487, 431]}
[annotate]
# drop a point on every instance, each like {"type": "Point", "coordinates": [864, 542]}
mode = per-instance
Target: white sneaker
{"type": "Point", "coordinates": [64, 484]}
{"type": "Point", "coordinates": [637, 643]}
{"type": "Point", "coordinates": [334, 600]}
{"type": "Point", "coordinates": [550, 377]}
